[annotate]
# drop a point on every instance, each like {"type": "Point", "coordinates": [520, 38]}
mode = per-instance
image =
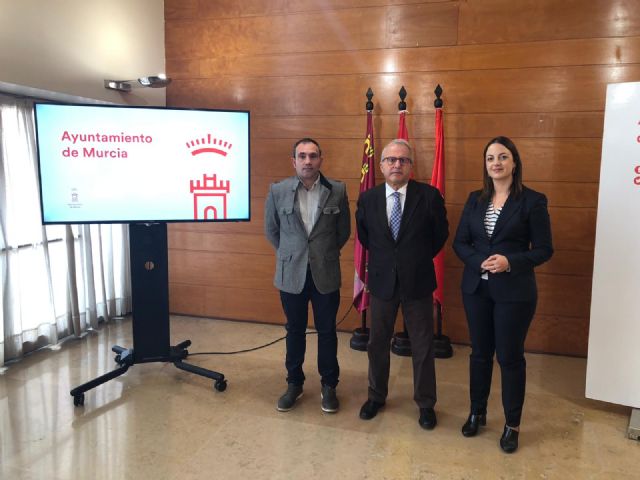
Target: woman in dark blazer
{"type": "Point", "coordinates": [504, 232]}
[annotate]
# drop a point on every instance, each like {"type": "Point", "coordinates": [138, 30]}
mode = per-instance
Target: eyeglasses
{"type": "Point", "coordinates": [393, 160]}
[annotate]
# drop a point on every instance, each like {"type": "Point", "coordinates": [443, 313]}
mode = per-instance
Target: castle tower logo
{"type": "Point", "coordinates": [210, 197]}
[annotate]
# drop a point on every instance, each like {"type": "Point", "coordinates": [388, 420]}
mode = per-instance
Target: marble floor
{"type": "Point", "coordinates": [158, 422]}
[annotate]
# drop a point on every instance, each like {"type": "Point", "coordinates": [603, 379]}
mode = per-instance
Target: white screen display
{"type": "Point", "coordinates": [109, 164]}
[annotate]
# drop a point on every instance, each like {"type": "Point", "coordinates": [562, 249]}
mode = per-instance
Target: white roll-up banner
{"type": "Point", "coordinates": [613, 364]}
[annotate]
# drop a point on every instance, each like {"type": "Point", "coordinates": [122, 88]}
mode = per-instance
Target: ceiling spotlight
{"type": "Point", "coordinates": [158, 81]}
{"type": "Point", "coordinates": [153, 81]}
{"type": "Point", "coordinates": [120, 85]}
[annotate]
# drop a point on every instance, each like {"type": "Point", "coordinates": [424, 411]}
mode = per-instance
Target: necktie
{"type": "Point", "coordinates": [396, 215]}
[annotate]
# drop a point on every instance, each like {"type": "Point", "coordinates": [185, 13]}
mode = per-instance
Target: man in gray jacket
{"type": "Point", "coordinates": [307, 220]}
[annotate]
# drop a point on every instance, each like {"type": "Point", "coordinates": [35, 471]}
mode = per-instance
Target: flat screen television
{"type": "Point", "coordinates": [121, 164]}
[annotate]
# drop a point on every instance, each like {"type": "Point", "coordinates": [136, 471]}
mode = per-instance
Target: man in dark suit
{"type": "Point", "coordinates": [403, 224]}
{"type": "Point", "coordinates": [307, 221]}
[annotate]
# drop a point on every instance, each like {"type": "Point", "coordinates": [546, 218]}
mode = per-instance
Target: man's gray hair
{"type": "Point", "coordinates": [398, 141]}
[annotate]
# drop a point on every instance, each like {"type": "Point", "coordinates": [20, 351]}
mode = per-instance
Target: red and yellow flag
{"type": "Point", "coordinates": [361, 255]}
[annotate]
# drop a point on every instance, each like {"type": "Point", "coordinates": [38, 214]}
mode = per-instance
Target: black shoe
{"type": "Point", "coordinates": [330, 403]}
{"type": "Point", "coordinates": [288, 400]}
{"type": "Point", "coordinates": [370, 409]}
{"type": "Point", "coordinates": [471, 426]}
{"type": "Point", "coordinates": [427, 418]}
{"type": "Point", "coordinates": [509, 440]}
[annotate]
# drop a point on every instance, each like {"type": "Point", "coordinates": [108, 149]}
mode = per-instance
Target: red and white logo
{"type": "Point", "coordinates": [209, 144]}
{"type": "Point", "coordinates": [210, 197]}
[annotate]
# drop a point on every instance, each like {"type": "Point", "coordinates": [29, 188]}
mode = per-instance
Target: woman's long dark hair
{"type": "Point", "coordinates": [487, 182]}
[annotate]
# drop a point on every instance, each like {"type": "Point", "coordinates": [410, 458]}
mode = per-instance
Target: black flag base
{"type": "Point", "coordinates": [441, 343]}
{"type": "Point", "coordinates": [400, 344]}
{"type": "Point", "coordinates": [359, 339]}
{"type": "Point", "coordinates": [442, 346]}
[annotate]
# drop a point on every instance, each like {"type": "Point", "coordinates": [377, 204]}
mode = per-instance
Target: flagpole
{"type": "Point", "coordinates": [360, 336]}
{"type": "Point", "coordinates": [400, 343]}
{"type": "Point", "coordinates": [441, 343]}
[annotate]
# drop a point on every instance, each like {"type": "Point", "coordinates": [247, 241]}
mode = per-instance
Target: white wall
{"type": "Point", "coordinates": [71, 46]}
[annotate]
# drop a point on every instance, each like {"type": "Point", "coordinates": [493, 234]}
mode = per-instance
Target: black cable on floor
{"type": "Point", "coordinates": [312, 332]}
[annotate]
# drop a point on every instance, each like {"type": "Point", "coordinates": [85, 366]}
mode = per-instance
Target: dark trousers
{"type": "Point", "coordinates": [499, 327]}
{"type": "Point", "coordinates": [418, 317]}
{"type": "Point", "coordinates": [325, 309]}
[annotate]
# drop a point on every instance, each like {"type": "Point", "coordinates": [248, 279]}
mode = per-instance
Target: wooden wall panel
{"type": "Point", "coordinates": [591, 51]}
{"type": "Point", "coordinates": [474, 125]}
{"type": "Point", "coordinates": [498, 21]}
{"type": "Point", "coordinates": [344, 29]}
{"type": "Point", "coordinates": [314, 5]}
{"type": "Point", "coordinates": [566, 160]}
{"type": "Point", "coordinates": [420, 25]}
{"type": "Point", "coordinates": [534, 70]}
{"type": "Point", "coordinates": [559, 89]}
{"type": "Point", "coordinates": [233, 271]}
{"type": "Point", "coordinates": [193, 240]}
{"type": "Point", "coordinates": [245, 8]}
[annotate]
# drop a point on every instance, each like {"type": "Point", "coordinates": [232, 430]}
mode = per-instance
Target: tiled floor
{"type": "Point", "coordinates": [158, 422]}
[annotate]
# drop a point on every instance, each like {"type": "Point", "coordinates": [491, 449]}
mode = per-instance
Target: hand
{"type": "Point", "coordinates": [496, 264]}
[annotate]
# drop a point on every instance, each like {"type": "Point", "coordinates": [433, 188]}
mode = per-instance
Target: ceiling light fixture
{"type": "Point", "coordinates": [152, 81]}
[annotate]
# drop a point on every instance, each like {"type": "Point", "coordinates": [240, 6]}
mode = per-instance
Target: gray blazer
{"type": "Point", "coordinates": [295, 249]}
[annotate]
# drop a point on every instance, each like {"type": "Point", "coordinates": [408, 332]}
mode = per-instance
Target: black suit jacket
{"type": "Point", "coordinates": [409, 259]}
{"type": "Point", "coordinates": [522, 234]}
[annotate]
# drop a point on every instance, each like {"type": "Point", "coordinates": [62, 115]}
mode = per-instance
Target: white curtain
{"type": "Point", "coordinates": [57, 280]}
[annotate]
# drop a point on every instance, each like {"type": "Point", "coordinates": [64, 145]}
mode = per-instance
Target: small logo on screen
{"type": "Point", "coordinates": [74, 199]}
{"type": "Point", "coordinates": [209, 144]}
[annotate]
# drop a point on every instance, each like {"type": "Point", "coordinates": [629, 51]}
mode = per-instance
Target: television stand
{"type": "Point", "coordinates": [150, 298]}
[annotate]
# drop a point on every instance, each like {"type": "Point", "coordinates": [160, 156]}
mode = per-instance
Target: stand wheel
{"type": "Point", "coordinates": [220, 385]}
{"type": "Point", "coordinates": [78, 400]}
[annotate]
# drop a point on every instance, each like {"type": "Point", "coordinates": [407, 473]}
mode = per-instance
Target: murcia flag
{"type": "Point", "coordinates": [360, 254]}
